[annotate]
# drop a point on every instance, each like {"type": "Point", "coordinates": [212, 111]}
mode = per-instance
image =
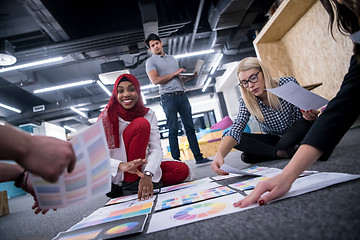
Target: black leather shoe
{"type": "Point", "coordinates": [203, 161]}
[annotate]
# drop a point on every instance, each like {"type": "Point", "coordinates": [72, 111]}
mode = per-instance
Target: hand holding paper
{"type": "Point", "coordinates": [299, 96]}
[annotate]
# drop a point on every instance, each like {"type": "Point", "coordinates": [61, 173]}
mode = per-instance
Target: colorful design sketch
{"type": "Point", "coordinates": [191, 197]}
{"type": "Point", "coordinates": [121, 199]}
{"type": "Point", "coordinates": [107, 230]}
{"type": "Point", "coordinates": [254, 169]}
{"type": "Point", "coordinates": [195, 212]}
{"type": "Point", "coordinates": [121, 228]}
{"type": "Point", "coordinates": [116, 212]}
{"type": "Point", "coordinates": [90, 178]}
{"type": "Point", "coordinates": [263, 171]}
{"type": "Point", "coordinates": [248, 184]}
{"type": "Point", "coordinates": [185, 185]}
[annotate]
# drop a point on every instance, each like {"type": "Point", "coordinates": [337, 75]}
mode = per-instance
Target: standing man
{"type": "Point", "coordinates": [164, 70]}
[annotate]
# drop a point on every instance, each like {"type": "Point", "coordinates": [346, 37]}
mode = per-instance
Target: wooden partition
{"type": "Point", "coordinates": [297, 42]}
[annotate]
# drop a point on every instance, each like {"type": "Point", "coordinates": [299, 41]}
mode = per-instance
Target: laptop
{"type": "Point", "coordinates": [197, 69]}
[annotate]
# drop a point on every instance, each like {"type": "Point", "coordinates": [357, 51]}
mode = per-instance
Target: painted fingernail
{"type": "Point", "coordinates": [261, 202]}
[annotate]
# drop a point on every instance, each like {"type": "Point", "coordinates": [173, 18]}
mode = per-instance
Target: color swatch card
{"type": "Point", "coordinates": [121, 199]}
{"type": "Point", "coordinates": [248, 184]}
{"type": "Point", "coordinates": [195, 212]}
{"type": "Point", "coordinates": [107, 230]}
{"type": "Point", "coordinates": [116, 212]}
{"type": "Point", "coordinates": [193, 197]}
{"type": "Point", "coordinates": [190, 195]}
{"type": "Point", "coordinates": [185, 185]}
{"type": "Point", "coordinates": [90, 178]}
{"type": "Point", "coordinates": [263, 171]}
{"type": "Point", "coordinates": [271, 172]}
{"type": "Point", "coordinates": [229, 169]}
{"type": "Point", "coordinates": [222, 177]}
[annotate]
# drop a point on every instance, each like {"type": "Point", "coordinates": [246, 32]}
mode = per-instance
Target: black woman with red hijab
{"type": "Point", "coordinates": [341, 112]}
{"type": "Point", "coordinates": [133, 138]}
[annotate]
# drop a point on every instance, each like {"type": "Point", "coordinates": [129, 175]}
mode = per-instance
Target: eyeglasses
{"type": "Point", "coordinates": [253, 79]}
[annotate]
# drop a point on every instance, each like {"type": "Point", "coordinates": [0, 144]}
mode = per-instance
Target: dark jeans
{"type": "Point", "coordinates": [262, 147]}
{"type": "Point", "coordinates": [179, 103]}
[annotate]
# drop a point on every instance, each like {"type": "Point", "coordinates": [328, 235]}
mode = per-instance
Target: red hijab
{"type": "Point", "coordinates": [114, 110]}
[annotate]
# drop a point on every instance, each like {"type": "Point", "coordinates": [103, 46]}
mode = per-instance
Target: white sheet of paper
{"type": "Point", "coordinates": [195, 212]}
{"type": "Point", "coordinates": [229, 169]}
{"type": "Point", "coordinates": [355, 37]}
{"type": "Point", "coordinates": [90, 178]}
{"type": "Point", "coordinates": [317, 181]}
{"type": "Point", "coordinates": [299, 96]}
{"type": "Point", "coordinates": [313, 181]}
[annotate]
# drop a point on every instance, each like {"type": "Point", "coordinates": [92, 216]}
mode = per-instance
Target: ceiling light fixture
{"type": "Point", "coordinates": [78, 112]}
{"type": "Point", "coordinates": [148, 86]}
{"type": "Point", "coordinates": [10, 108]}
{"type": "Point", "coordinates": [104, 88]}
{"type": "Point", "coordinates": [194, 53]}
{"type": "Point", "coordinates": [7, 51]}
{"type": "Point", "coordinates": [110, 77]}
{"type": "Point", "coordinates": [50, 60]}
{"type": "Point", "coordinates": [64, 86]}
{"type": "Point", "coordinates": [198, 115]}
{"type": "Point", "coordinates": [216, 64]}
{"type": "Point", "coordinates": [206, 84]}
{"type": "Point", "coordinates": [143, 98]}
{"type": "Point", "coordinates": [70, 129]}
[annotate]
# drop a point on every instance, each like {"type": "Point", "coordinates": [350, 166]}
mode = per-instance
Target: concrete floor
{"type": "Point", "coordinates": [330, 213]}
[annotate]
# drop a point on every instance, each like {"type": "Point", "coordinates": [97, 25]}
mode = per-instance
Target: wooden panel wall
{"type": "Point", "coordinates": [308, 52]}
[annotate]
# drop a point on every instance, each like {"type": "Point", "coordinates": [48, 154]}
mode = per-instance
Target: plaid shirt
{"type": "Point", "coordinates": [277, 121]}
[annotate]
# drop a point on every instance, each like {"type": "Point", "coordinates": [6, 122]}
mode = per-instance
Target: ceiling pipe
{"type": "Point", "coordinates": [173, 51]}
{"type": "Point", "coordinates": [92, 44]}
{"type": "Point", "coordinates": [180, 45]}
{"type": "Point", "coordinates": [201, 5]}
{"type": "Point", "coordinates": [169, 45]}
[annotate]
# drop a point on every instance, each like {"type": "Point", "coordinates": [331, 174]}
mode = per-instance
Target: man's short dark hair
{"type": "Point", "coordinates": [151, 37]}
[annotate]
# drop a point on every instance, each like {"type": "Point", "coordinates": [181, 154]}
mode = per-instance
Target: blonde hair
{"type": "Point", "coordinates": [249, 99]}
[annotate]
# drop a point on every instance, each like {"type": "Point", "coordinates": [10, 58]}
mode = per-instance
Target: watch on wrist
{"type": "Point", "coordinates": [147, 173]}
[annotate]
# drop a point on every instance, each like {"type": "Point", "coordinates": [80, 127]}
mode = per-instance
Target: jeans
{"type": "Point", "coordinates": [179, 103]}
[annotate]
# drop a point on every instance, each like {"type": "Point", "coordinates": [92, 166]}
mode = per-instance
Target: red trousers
{"type": "Point", "coordinates": [136, 138]}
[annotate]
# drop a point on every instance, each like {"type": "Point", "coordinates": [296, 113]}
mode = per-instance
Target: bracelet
{"type": "Point", "coordinates": [19, 179]}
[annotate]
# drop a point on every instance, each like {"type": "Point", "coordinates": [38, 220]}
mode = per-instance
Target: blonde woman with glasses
{"type": "Point", "coordinates": [283, 124]}
{"type": "Point", "coordinates": [340, 113]}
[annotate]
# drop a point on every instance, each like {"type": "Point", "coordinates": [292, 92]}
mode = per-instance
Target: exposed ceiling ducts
{"type": "Point", "coordinates": [93, 34]}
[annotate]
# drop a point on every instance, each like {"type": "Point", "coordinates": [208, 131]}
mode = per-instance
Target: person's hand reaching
{"type": "Point", "coordinates": [274, 187]}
